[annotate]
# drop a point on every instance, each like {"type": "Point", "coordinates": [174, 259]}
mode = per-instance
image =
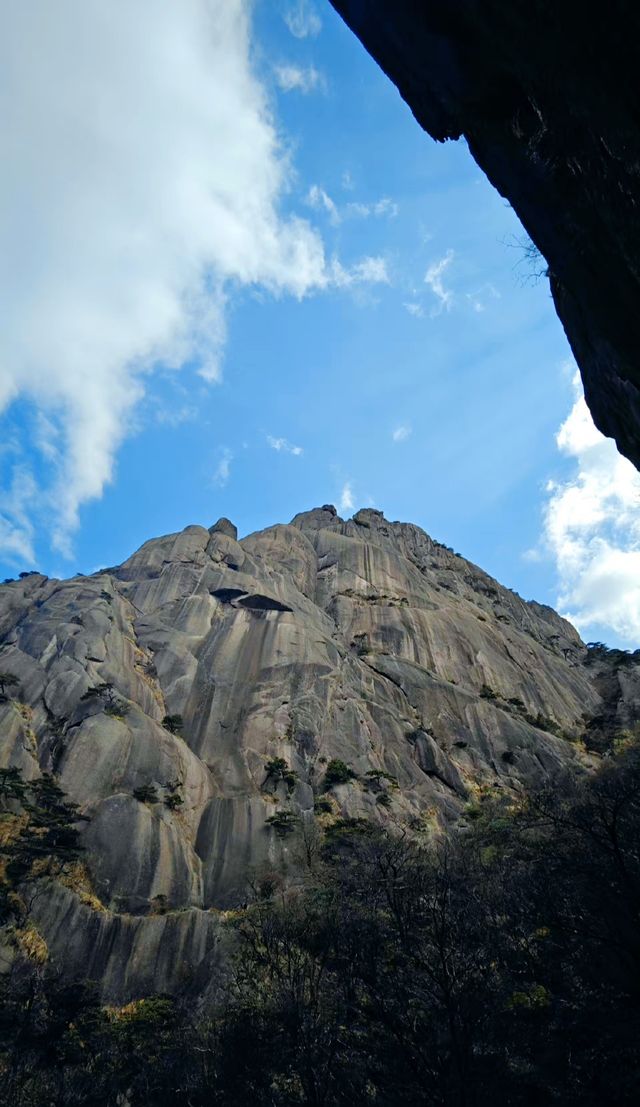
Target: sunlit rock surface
{"type": "Point", "coordinates": [359, 640]}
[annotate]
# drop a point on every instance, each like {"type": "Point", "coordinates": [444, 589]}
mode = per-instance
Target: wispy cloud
{"type": "Point", "coordinates": [283, 446]}
{"type": "Point", "coordinates": [47, 437]}
{"type": "Point", "coordinates": [176, 416]}
{"type": "Point", "coordinates": [293, 78]}
{"type": "Point", "coordinates": [478, 300]}
{"type": "Point", "coordinates": [401, 433]}
{"type": "Point", "coordinates": [223, 469]}
{"type": "Point", "coordinates": [302, 19]}
{"type": "Point", "coordinates": [368, 270]}
{"type": "Point", "coordinates": [384, 207]}
{"type": "Point", "coordinates": [371, 270]}
{"type": "Point", "coordinates": [320, 200]}
{"type": "Point", "coordinates": [16, 527]}
{"type": "Point", "coordinates": [484, 295]}
{"type": "Point", "coordinates": [592, 528]}
{"type": "Point", "coordinates": [346, 502]}
{"type": "Point", "coordinates": [434, 279]}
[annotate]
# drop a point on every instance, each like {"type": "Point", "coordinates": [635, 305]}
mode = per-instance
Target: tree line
{"type": "Point", "coordinates": [498, 965]}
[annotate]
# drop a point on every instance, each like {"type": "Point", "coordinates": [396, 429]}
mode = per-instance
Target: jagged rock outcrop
{"type": "Point", "coordinates": [206, 686]}
{"type": "Point", "coordinates": [545, 95]}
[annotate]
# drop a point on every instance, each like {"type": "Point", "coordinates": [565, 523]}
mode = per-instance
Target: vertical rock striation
{"type": "Point", "coordinates": [209, 699]}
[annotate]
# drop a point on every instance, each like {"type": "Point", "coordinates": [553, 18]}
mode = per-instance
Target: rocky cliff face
{"type": "Point", "coordinates": [545, 95]}
{"type": "Point", "coordinates": [320, 670]}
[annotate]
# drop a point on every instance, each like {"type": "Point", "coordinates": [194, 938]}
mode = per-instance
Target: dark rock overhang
{"type": "Point", "coordinates": [545, 94]}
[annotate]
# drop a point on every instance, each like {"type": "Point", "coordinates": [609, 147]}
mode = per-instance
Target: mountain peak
{"type": "Point", "coordinates": [184, 673]}
{"type": "Point", "coordinates": [317, 517]}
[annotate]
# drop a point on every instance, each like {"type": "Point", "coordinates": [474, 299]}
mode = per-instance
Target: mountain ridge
{"type": "Point", "coordinates": [210, 702]}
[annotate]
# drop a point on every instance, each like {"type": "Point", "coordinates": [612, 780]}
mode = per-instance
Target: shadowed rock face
{"type": "Point", "coordinates": [359, 640]}
{"type": "Point", "coordinates": [545, 93]}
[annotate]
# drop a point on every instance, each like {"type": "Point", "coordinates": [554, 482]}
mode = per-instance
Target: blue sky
{"type": "Point", "coordinates": [281, 294]}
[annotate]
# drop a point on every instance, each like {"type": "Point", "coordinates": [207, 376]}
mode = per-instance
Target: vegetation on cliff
{"type": "Point", "coordinates": [503, 966]}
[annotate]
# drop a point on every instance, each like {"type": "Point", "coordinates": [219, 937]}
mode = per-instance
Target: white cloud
{"type": "Point", "coordinates": [320, 200]}
{"type": "Point", "coordinates": [401, 433]}
{"type": "Point", "coordinates": [293, 78]}
{"type": "Point", "coordinates": [433, 277]}
{"type": "Point", "coordinates": [46, 437]}
{"type": "Point", "coordinates": [378, 208]}
{"type": "Point", "coordinates": [479, 299]}
{"type": "Point", "coordinates": [346, 502]}
{"type": "Point", "coordinates": [415, 309]}
{"type": "Point", "coordinates": [223, 469]}
{"type": "Point", "coordinates": [283, 446]}
{"type": "Point", "coordinates": [592, 528]}
{"type": "Point", "coordinates": [16, 528]}
{"type": "Point", "coordinates": [369, 270]}
{"type": "Point", "coordinates": [176, 416]}
{"type": "Point", "coordinates": [141, 179]}
{"type": "Point", "coordinates": [302, 19]}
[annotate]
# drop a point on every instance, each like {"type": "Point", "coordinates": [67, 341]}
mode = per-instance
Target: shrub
{"type": "Point", "coordinates": [343, 829]}
{"type": "Point", "coordinates": [173, 723]}
{"type": "Point", "coordinates": [597, 651]}
{"type": "Point", "coordinates": [12, 786]}
{"type": "Point", "coordinates": [277, 769]}
{"type": "Point", "coordinates": [38, 840]}
{"type": "Point", "coordinates": [112, 704]}
{"type": "Point", "coordinates": [118, 709]}
{"type": "Point", "coordinates": [8, 680]}
{"type": "Point", "coordinates": [378, 776]}
{"type": "Point", "coordinates": [146, 793]}
{"type": "Point", "coordinates": [159, 904]}
{"type": "Point", "coordinates": [543, 722]}
{"type": "Point", "coordinates": [337, 772]}
{"type": "Point", "coordinates": [283, 822]}
{"type": "Point", "coordinates": [99, 690]}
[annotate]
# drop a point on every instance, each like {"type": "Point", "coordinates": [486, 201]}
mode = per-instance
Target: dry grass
{"type": "Point", "coordinates": [125, 1013]}
{"type": "Point", "coordinates": [32, 944]}
{"type": "Point", "coordinates": [10, 826]}
{"type": "Point", "coordinates": [77, 879]}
